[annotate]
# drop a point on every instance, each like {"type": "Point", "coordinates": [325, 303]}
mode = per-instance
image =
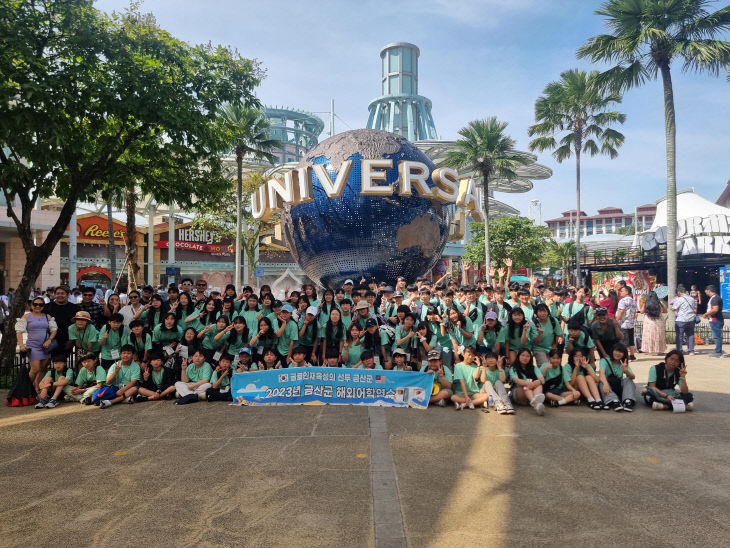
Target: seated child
{"type": "Point", "coordinates": [663, 381]}
{"type": "Point", "coordinates": [331, 358]}
{"type": "Point", "coordinates": [91, 376]}
{"type": "Point", "coordinates": [124, 375]}
{"type": "Point", "coordinates": [195, 379]}
{"type": "Point", "coordinates": [220, 389]}
{"type": "Point", "coordinates": [244, 361]}
{"type": "Point", "coordinates": [584, 378]}
{"type": "Point", "coordinates": [399, 360]}
{"type": "Point", "coordinates": [527, 381]}
{"type": "Point", "coordinates": [467, 382]}
{"type": "Point", "coordinates": [558, 389]}
{"type": "Point", "coordinates": [367, 361]}
{"type": "Point", "coordinates": [617, 380]}
{"type": "Point", "coordinates": [54, 383]}
{"type": "Point", "coordinates": [298, 355]}
{"type": "Point", "coordinates": [442, 379]}
{"type": "Point", "coordinates": [158, 382]}
{"type": "Point", "coordinates": [493, 379]}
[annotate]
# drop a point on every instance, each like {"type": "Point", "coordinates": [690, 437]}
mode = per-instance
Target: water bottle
{"type": "Point", "coordinates": [490, 401]}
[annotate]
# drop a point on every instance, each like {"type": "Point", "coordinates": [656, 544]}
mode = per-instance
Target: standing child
{"type": "Point", "coordinates": [124, 375]}
{"type": "Point", "coordinates": [558, 388]}
{"type": "Point", "coordinates": [467, 382]}
{"type": "Point", "coordinates": [140, 341]}
{"type": "Point", "coordinates": [195, 379]}
{"type": "Point", "coordinates": [158, 382]}
{"type": "Point", "coordinates": [54, 382]}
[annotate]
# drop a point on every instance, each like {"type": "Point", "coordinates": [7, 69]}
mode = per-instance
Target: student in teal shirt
{"type": "Point", "coordinates": [140, 341]}
{"type": "Point", "coordinates": [467, 382]}
{"type": "Point", "coordinates": [168, 333]}
{"type": "Point", "coordinates": [461, 329]}
{"type": "Point", "coordinates": [352, 349]}
{"type": "Point", "coordinates": [90, 377]}
{"type": "Point", "coordinates": [220, 380]}
{"type": "Point", "coordinates": [195, 379]}
{"type": "Point", "coordinates": [83, 334]}
{"type": "Point", "coordinates": [488, 332]}
{"type": "Point", "coordinates": [125, 374]}
{"type": "Point", "coordinates": [111, 338]}
{"type": "Point", "coordinates": [546, 334]}
{"type": "Point", "coordinates": [527, 382]}
{"type": "Point", "coordinates": [558, 388]}
{"type": "Point", "coordinates": [288, 333]}
{"type": "Point", "coordinates": [442, 379]}
{"type": "Point", "coordinates": [251, 313]}
{"type": "Point", "coordinates": [210, 344]}
{"type": "Point", "coordinates": [514, 336]}
{"type": "Point", "coordinates": [54, 383]}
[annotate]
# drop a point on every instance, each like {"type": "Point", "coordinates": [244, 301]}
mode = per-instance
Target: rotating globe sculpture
{"type": "Point", "coordinates": [355, 235]}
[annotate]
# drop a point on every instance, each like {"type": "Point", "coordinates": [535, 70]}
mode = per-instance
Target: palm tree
{"type": "Point", "coordinates": [647, 36]}
{"type": "Point", "coordinates": [562, 254]}
{"type": "Point", "coordinates": [485, 149]}
{"type": "Point", "coordinates": [575, 105]}
{"type": "Point", "coordinates": [249, 132]}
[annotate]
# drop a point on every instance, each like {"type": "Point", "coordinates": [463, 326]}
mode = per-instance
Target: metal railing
{"type": "Point", "coordinates": [9, 374]}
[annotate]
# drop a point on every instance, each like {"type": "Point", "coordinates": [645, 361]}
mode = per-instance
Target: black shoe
{"type": "Point", "coordinates": [553, 403]}
{"type": "Point", "coordinates": [632, 357]}
{"type": "Point", "coordinates": [140, 398]}
{"type": "Point", "coordinates": [190, 398]}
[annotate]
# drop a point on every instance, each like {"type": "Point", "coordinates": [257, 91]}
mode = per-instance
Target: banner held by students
{"type": "Point", "coordinates": [321, 385]}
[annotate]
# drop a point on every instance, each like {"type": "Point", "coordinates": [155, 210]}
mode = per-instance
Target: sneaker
{"type": "Point", "coordinates": [605, 406]}
{"type": "Point", "coordinates": [140, 398]}
{"type": "Point", "coordinates": [441, 403]}
{"type": "Point", "coordinates": [553, 403]}
{"type": "Point", "coordinates": [458, 406]}
{"type": "Point", "coordinates": [129, 399]}
{"type": "Point", "coordinates": [471, 405]}
{"type": "Point", "coordinates": [540, 409]}
{"type": "Point", "coordinates": [658, 406]}
{"type": "Point", "coordinates": [690, 406]}
{"type": "Point", "coordinates": [632, 357]}
{"type": "Point", "coordinates": [628, 409]}
{"type": "Point", "coordinates": [618, 407]}
{"type": "Point", "coordinates": [86, 400]}
{"type": "Point", "coordinates": [538, 399]}
{"type": "Point", "coordinates": [104, 404]}
{"type": "Point", "coordinates": [51, 404]}
{"type": "Point", "coordinates": [714, 355]}
{"type": "Point", "coordinates": [596, 405]}
{"type": "Point", "coordinates": [510, 410]}
{"type": "Point", "coordinates": [41, 404]}
{"type": "Point", "coordinates": [628, 405]}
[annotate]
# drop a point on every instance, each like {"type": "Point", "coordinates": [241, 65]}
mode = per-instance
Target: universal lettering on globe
{"type": "Point", "coordinates": [365, 203]}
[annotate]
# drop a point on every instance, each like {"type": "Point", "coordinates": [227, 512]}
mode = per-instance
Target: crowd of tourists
{"type": "Point", "coordinates": [485, 344]}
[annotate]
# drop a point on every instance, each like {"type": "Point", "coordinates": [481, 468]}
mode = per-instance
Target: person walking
{"type": "Point", "coordinates": [654, 331]}
{"type": "Point", "coordinates": [714, 314]}
{"type": "Point", "coordinates": [626, 316]}
{"type": "Point", "coordinates": [685, 312]}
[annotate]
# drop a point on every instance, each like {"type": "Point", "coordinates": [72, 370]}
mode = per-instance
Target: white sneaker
{"type": "Point", "coordinates": [690, 406]}
{"type": "Point", "coordinates": [471, 405]}
{"type": "Point", "coordinates": [539, 398]}
{"type": "Point", "coordinates": [441, 403]}
{"type": "Point", "coordinates": [458, 406]}
{"type": "Point", "coordinates": [104, 404]}
{"type": "Point", "coordinates": [540, 409]}
{"type": "Point", "coordinates": [658, 406]}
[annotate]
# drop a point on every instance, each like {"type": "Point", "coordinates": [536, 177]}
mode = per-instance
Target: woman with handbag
{"type": "Point", "coordinates": [41, 330]}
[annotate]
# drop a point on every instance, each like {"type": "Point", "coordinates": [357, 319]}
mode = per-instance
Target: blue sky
{"type": "Point", "coordinates": [478, 58]}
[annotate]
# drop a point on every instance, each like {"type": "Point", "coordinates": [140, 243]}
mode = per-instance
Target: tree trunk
{"type": "Point", "coordinates": [577, 217]}
{"type": "Point", "coordinates": [239, 219]}
{"type": "Point", "coordinates": [670, 135]}
{"type": "Point", "coordinates": [131, 239]}
{"type": "Point", "coordinates": [485, 199]}
{"type": "Point", "coordinates": [112, 247]}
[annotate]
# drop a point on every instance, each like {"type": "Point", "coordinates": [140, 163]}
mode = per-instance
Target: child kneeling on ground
{"type": "Point", "coordinates": [158, 382]}
{"type": "Point", "coordinates": [91, 376]}
{"type": "Point", "coordinates": [493, 377]}
{"type": "Point", "coordinates": [442, 379]}
{"type": "Point", "coordinates": [220, 389]}
{"type": "Point", "coordinates": [558, 389]}
{"type": "Point", "coordinates": [56, 380]}
{"type": "Point", "coordinates": [663, 380]}
{"type": "Point", "coordinates": [467, 385]}
{"type": "Point", "coordinates": [124, 376]}
{"type": "Point", "coordinates": [195, 379]}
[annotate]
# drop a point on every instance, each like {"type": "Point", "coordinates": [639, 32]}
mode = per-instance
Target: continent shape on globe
{"type": "Point", "coordinates": [355, 235]}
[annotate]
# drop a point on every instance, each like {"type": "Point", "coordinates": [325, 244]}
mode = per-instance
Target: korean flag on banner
{"type": "Point", "coordinates": [283, 377]}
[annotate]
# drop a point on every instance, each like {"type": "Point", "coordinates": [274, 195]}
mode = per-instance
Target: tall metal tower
{"type": "Point", "coordinates": [535, 212]}
{"type": "Point", "coordinates": [400, 109]}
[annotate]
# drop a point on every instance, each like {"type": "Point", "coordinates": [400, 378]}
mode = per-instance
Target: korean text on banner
{"type": "Point", "coordinates": [321, 385]}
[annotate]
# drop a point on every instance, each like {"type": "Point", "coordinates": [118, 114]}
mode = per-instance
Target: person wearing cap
{"type": "Point", "coordinates": [362, 313]}
{"type": "Point", "coordinates": [385, 301]}
{"type": "Point", "coordinates": [287, 333]}
{"type": "Point", "coordinates": [488, 332]}
{"type": "Point", "coordinates": [82, 334]}
{"type": "Point", "coordinates": [685, 313]}
{"type": "Point", "coordinates": [308, 333]}
{"type": "Point", "coordinates": [442, 379]}
{"type": "Point", "coordinates": [605, 332]}
{"type": "Point", "coordinates": [352, 347]}
{"type": "Point", "coordinates": [245, 361]}
{"type": "Point", "coordinates": [347, 286]}
{"type": "Point", "coordinates": [400, 360]}
{"type": "Point", "coordinates": [372, 340]}
{"type": "Point", "coordinates": [90, 377]}
{"type": "Point", "coordinates": [333, 334]}
{"type": "Point", "coordinates": [157, 382]}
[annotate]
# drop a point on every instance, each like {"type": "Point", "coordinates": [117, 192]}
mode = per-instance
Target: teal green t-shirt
{"type": "Point", "coordinates": [225, 382]}
{"type": "Point", "coordinates": [307, 338]}
{"type": "Point", "coordinates": [167, 336]}
{"type": "Point", "coordinates": [86, 377]}
{"type": "Point", "coordinates": [84, 336]}
{"type": "Point", "coordinates": [550, 372]}
{"type": "Point", "coordinates": [465, 372]}
{"type": "Point", "coordinates": [139, 344]}
{"type": "Point", "coordinates": [609, 367]}
{"type": "Point", "coordinates": [113, 342]}
{"type": "Point", "coordinates": [354, 351]}
{"type": "Point", "coordinates": [126, 374]}
{"type": "Point", "coordinates": [209, 342]}
{"type": "Point", "coordinates": [548, 335]}
{"type": "Point", "coordinates": [515, 342]}
{"type": "Point", "coordinates": [291, 333]}
{"type": "Point", "coordinates": [197, 374]}
{"type": "Point", "coordinates": [55, 375]}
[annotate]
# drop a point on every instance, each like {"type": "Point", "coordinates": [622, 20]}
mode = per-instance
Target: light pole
{"type": "Point", "coordinates": [239, 219]}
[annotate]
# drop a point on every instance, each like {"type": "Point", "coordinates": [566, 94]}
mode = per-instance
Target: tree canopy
{"type": "Point", "coordinates": [515, 237]}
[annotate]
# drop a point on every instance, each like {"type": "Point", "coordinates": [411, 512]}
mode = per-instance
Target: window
{"type": "Point", "coordinates": [406, 83]}
{"type": "Point", "coordinates": [394, 60]}
{"type": "Point", "coordinates": [393, 85]}
{"type": "Point", "coordinates": [407, 60]}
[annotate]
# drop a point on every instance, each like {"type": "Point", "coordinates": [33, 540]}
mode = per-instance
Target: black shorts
{"type": "Point", "coordinates": [628, 336]}
{"type": "Point", "coordinates": [557, 391]}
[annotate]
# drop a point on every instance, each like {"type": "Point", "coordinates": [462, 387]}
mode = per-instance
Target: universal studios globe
{"type": "Point", "coordinates": [355, 235]}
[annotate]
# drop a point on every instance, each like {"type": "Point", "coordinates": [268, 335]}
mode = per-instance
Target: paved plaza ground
{"type": "Point", "coordinates": [218, 475]}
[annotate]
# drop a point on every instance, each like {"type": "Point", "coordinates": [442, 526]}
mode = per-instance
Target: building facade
{"type": "Point", "coordinates": [606, 221]}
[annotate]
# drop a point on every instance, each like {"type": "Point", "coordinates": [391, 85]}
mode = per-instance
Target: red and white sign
{"type": "Point", "coordinates": [195, 246]}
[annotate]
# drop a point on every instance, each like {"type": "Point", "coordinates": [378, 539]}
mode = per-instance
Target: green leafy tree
{"type": "Point", "coordinates": [628, 230]}
{"type": "Point", "coordinates": [250, 131]}
{"type": "Point", "coordinates": [562, 255]}
{"type": "Point", "coordinates": [486, 150]}
{"type": "Point", "coordinates": [514, 237]}
{"type": "Point", "coordinates": [576, 106]}
{"type": "Point", "coordinates": [90, 101]}
{"type": "Point", "coordinates": [647, 36]}
{"type": "Point", "coordinates": [220, 217]}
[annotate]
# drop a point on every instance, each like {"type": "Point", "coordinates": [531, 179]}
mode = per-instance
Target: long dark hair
{"type": "Point", "coordinates": [212, 316]}
{"type": "Point", "coordinates": [188, 308]}
{"type": "Point", "coordinates": [613, 296]}
{"type": "Point", "coordinates": [511, 325]}
{"type": "Point", "coordinates": [236, 340]}
{"type": "Point", "coordinates": [269, 338]}
{"type": "Point", "coordinates": [151, 312]}
{"type": "Point", "coordinates": [332, 333]}
{"type": "Point", "coordinates": [162, 323]}
{"type": "Point", "coordinates": [652, 306]}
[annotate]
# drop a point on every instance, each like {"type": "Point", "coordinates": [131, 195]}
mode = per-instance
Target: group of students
{"type": "Point", "coordinates": [481, 347]}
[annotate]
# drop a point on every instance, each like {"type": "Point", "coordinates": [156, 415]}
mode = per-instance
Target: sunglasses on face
{"type": "Point", "coordinates": [201, 285]}
{"type": "Point", "coordinates": [134, 296]}
{"type": "Point", "coordinates": [38, 304]}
